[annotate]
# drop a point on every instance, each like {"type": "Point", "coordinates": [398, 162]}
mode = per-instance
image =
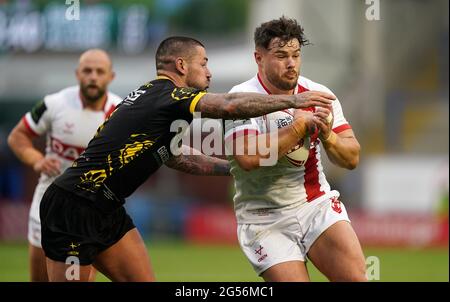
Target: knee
{"type": "Point", "coordinates": [356, 273]}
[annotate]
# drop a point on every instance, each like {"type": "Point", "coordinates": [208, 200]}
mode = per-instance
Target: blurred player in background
{"type": "Point", "coordinates": [288, 212]}
{"type": "Point", "coordinates": [82, 211]}
{"type": "Point", "coordinates": [69, 119]}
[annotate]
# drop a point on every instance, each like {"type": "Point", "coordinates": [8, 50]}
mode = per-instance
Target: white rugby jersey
{"type": "Point", "coordinates": [262, 194]}
{"type": "Point", "coordinates": [69, 125]}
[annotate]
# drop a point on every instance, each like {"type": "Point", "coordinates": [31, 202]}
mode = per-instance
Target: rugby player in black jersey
{"type": "Point", "coordinates": [83, 218]}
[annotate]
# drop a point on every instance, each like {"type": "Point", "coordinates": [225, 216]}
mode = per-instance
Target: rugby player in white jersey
{"type": "Point", "coordinates": [69, 119]}
{"type": "Point", "coordinates": [287, 212]}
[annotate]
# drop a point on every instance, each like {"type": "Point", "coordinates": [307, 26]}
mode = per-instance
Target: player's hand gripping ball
{"type": "Point", "coordinates": [298, 155]}
{"type": "Point", "coordinates": [329, 118]}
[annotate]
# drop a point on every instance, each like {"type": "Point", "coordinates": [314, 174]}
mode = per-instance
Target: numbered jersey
{"type": "Point", "coordinates": [262, 194]}
{"type": "Point", "coordinates": [68, 125]}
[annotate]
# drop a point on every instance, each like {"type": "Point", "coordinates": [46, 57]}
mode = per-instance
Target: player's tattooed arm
{"type": "Point", "coordinates": [196, 163]}
{"type": "Point", "coordinates": [246, 105]}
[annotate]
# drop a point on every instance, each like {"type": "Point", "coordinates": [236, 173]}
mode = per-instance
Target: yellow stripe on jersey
{"type": "Point", "coordinates": [195, 101]}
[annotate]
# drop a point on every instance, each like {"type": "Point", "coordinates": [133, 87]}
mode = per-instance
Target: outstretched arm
{"type": "Point", "coordinates": [198, 163]}
{"type": "Point", "coordinates": [246, 105]}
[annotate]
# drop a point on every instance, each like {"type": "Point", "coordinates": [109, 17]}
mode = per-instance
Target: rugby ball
{"type": "Point", "coordinates": [298, 155]}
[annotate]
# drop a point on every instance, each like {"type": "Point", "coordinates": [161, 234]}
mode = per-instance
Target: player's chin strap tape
{"type": "Point", "coordinates": [108, 202]}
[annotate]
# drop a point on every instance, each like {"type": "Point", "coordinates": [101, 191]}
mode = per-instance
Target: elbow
{"type": "Point", "coordinates": [354, 160]}
{"type": "Point", "coordinates": [11, 140]}
{"type": "Point", "coordinates": [353, 163]}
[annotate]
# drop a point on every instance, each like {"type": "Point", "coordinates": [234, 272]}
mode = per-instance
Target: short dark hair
{"type": "Point", "coordinates": [173, 47]}
{"type": "Point", "coordinates": [285, 29]}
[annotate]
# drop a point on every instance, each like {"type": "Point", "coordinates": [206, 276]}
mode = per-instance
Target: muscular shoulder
{"type": "Point", "coordinates": [62, 98]}
{"type": "Point", "coordinates": [251, 85]}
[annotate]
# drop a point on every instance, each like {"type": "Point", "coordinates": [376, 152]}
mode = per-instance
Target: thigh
{"type": "Point", "coordinates": [268, 247]}
{"type": "Point", "coordinates": [126, 260]}
{"type": "Point", "coordinates": [57, 271]}
{"type": "Point", "coordinates": [93, 274]}
{"type": "Point", "coordinates": [67, 272]}
{"type": "Point", "coordinates": [290, 271]}
{"type": "Point", "coordinates": [338, 255]}
{"type": "Point", "coordinates": [38, 266]}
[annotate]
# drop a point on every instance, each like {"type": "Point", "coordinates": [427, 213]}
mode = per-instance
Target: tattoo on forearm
{"type": "Point", "coordinates": [200, 165]}
{"type": "Point", "coordinates": [240, 105]}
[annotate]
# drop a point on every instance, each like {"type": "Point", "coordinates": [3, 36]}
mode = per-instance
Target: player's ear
{"type": "Point", "coordinates": [77, 73]}
{"type": "Point", "coordinates": [257, 56]}
{"type": "Point", "coordinates": [181, 66]}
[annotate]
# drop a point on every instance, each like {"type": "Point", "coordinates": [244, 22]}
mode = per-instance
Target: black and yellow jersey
{"type": "Point", "coordinates": [132, 143]}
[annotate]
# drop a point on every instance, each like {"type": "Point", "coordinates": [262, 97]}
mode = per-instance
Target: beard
{"type": "Point", "coordinates": [92, 93]}
{"type": "Point", "coordinates": [198, 82]}
{"type": "Point", "coordinates": [282, 84]}
{"type": "Point", "coordinates": [200, 86]}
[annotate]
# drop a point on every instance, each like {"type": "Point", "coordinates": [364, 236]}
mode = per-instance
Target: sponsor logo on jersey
{"type": "Point", "coordinates": [66, 151]}
{"type": "Point", "coordinates": [283, 122]}
{"type": "Point", "coordinates": [163, 154]}
{"type": "Point", "coordinates": [129, 100]}
{"type": "Point", "coordinates": [68, 128]}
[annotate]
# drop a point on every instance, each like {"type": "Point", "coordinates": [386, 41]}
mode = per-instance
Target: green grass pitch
{"type": "Point", "coordinates": [179, 261]}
